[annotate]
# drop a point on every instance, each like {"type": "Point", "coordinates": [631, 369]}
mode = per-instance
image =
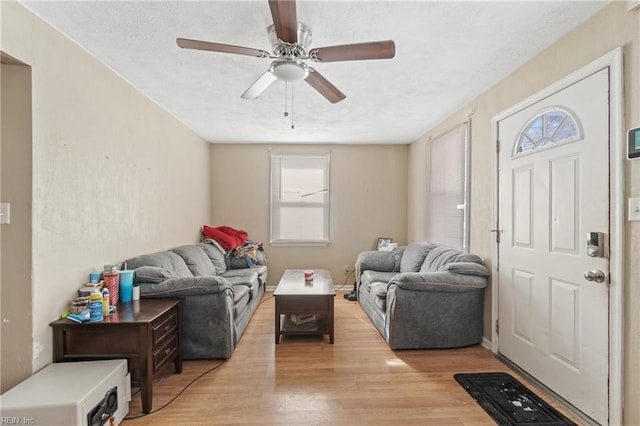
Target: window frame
{"type": "Point", "coordinates": [569, 116]}
{"type": "Point", "coordinates": [275, 203]}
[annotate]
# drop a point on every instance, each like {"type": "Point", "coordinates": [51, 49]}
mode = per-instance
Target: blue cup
{"type": "Point", "coordinates": [94, 277]}
{"type": "Point", "coordinates": [126, 286]}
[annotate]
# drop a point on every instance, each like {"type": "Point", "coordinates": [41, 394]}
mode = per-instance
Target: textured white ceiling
{"type": "Point", "coordinates": [446, 54]}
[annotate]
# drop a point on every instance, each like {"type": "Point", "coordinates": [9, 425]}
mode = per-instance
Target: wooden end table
{"type": "Point", "coordinates": [296, 296]}
{"type": "Point", "coordinates": [147, 333]}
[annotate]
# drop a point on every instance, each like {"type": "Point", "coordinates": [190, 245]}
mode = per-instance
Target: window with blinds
{"type": "Point", "coordinates": [299, 200]}
{"type": "Point", "coordinates": [448, 189]}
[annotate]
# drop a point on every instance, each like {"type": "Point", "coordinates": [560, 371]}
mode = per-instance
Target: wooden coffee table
{"type": "Point", "coordinates": [295, 296]}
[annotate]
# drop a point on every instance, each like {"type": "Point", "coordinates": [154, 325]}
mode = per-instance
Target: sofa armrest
{"type": "Point", "coordinates": [434, 310]}
{"type": "Point", "coordinates": [187, 286]}
{"type": "Point", "coordinates": [467, 268]}
{"type": "Point", "coordinates": [382, 261]}
{"type": "Point", "coordinates": [428, 281]}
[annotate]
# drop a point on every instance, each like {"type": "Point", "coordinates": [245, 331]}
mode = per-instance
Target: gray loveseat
{"type": "Point", "coordinates": [220, 293]}
{"type": "Point", "coordinates": [423, 295]}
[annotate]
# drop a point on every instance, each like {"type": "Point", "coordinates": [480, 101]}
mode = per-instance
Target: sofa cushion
{"type": "Point", "coordinates": [152, 274]}
{"type": "Point", "coordinates": [163, 259]}
{"type": "Point", "coordinates": [414, 256]}
{"type": "Point", "coordinates": [239, 291]}
{"type": "Point", "coordinates": [249, 280]}
{"type": "Point", "coordinates": [241, 275]}
{"type": "Point", "coordinates": [441, 256]}
{"type": "Point", "coordinates": [196, 260]}
{"type": "Point", "coordinates": [379, 290]}
{"type": "Point", "coordinates": [372, 277]}
{"type": "Point", "coordinates": [397, 257]}
{"type": "Point", "coordinates": [376, 295]}
{"type": "Point", "coordinates": [238, 262]}
{"type": "Point", "coordinates": [216, 256]}
{"type": "Point", "coordinates": [241, 298]}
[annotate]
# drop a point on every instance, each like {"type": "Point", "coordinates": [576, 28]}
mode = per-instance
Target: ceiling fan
{"type": "Point", "coordinates": [290, 40]}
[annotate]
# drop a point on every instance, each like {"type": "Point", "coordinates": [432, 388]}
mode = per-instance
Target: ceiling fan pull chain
{"type": "Point", "coordinates": [286, 113]}
{"type": "Point", "coordinates": [291, 106]}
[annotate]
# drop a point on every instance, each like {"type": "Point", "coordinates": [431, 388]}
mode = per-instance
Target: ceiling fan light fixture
{"type": "Point", "coordinates": [289, 70]}
{"type": "Point", "coordinates": [290, 41]}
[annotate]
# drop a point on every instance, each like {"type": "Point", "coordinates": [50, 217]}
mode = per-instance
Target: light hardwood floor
{"type": "Point", "coordinates": [304, 380]}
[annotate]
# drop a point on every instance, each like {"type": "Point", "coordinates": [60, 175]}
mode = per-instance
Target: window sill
{"type": "Point", "coordinates": [299, 243]}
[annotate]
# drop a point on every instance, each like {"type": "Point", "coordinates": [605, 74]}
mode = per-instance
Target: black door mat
{"type": "Point", "coordinates": [508, 401]}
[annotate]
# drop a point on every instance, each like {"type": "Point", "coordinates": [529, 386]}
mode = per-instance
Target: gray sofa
{"type": "Point", "coordinates": [423, 295]}
{"type": "Point", "coordinates": [220, 293]}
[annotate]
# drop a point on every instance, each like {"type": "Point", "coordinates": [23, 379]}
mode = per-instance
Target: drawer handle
{"type": "Point", "coordinates": [167, 328]}
{"type": "Point", "coordinates": [167, 351]}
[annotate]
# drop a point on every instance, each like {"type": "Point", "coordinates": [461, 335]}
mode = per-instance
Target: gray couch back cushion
{"type": "Point", "coordinates": [216, 256]}
{"type": "Point", "coordinates": [196, 260]}
{"type": "Point", "coordinates": [152, 274]}
{"type": "Point", "coordinates": [414, 255]}
{"type": "Point", "coordinates": [440, 256]}
{"type": "Point", "coordinates": [162, 259]}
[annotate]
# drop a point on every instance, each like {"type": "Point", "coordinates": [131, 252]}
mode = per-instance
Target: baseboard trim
{"type": "Point", "coordinates": [486, 343]}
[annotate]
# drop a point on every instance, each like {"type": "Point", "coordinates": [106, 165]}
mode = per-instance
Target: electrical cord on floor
{"type": "Point", "coordinates": [265, 299]}
{"type": "Point", "coordinates": [179, 393]}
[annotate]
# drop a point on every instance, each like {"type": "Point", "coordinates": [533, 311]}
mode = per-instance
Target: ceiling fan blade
{"type": "Point", "coordinates": [186, 43]}
{"type": "Point", "coordinates": [284, 17]}
{"type": "Point", "coordinates": [354, 52]}
{"type": "Point", "coordinates": [322, 85]}
{"type": "Point", "coordinates": [259, 86]}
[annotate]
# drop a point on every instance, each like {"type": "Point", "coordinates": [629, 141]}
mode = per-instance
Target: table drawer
{"type": "Point", "coordinates": [90, 340]}
{"type": "Point", "coordinates": [164, 328]}
{"type": "Point", "coordinates": [164, 353]}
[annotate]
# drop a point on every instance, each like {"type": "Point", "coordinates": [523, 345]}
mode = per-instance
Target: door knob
{"type": "Point", "coordinates": [594, 275]}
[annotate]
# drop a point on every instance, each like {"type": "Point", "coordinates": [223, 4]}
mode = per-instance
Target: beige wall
{"type": "Point", "coordinates": [113, 174]}
{"type": "Point", "coordinates": [15, 240]}
{"type": "Point", "coordinates": [613, 27]}
{"type": "Point", "coordinates": [368, 200]}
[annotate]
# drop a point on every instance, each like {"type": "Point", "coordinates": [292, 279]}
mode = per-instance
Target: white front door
{"type": "Point", "coordinates": [553, 190]}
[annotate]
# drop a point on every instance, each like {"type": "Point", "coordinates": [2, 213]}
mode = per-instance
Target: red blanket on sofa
{"type": "Point", "coordinates": [226, 236]}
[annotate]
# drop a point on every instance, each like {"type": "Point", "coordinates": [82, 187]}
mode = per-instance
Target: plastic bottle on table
{"type": "Point", "coordinates": [105, 302]}
{"type": "Point", "coordinates": [95, 306]}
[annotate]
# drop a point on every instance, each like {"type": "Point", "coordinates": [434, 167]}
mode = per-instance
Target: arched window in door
{"type": "Point", "coordinates": [551, 127]}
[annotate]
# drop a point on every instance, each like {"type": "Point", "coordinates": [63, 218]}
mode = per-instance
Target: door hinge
{"type": "Point", "coordinates": [497, 146]}
{"type": "Point", "coordinates": [497, 326]}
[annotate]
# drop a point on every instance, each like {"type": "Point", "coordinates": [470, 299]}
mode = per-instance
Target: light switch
{"type": "Point", "coordinates": [5, 211]}
{"type": "Point", "coordinates": [634, 209]}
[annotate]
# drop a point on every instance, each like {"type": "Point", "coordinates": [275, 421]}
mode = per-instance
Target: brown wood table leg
{"type": "Point", "coordinates": [331, 299]}
{"type": "Point", "coordinates": [146, 384]}
{"type": "Point", "coordinates": [277, 322]}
